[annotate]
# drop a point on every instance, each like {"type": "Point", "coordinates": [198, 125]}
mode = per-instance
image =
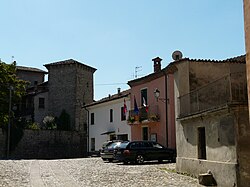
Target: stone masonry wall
{"type": "Point", "coordinates": [243, 146]}
{"type": "Point", "coordinates": [62, 88]}
{"type": "Point", "coordinates": [70, 87]}
{"type": "Point", "coordinates": [243, 125]}
{"type": "Point", "coordinates": [46, 144]}
{"type": "Point", "coordinates": [84, 95]}
{"type": "Point", "coordinates": [247, 41]}
{"type": "Point", "coordinates": [2, 144]}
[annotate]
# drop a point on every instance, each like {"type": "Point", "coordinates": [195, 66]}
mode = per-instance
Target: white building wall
{"type": "Point", "coordinates": [102, 121]}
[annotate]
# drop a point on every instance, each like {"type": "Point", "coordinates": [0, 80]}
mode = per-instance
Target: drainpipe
{"type": "Point", "coordinates": [87, 130]}
{"type": "Point", "coordinates": [166, 102]}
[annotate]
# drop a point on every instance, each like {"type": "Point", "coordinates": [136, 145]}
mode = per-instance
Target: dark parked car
{"type": "Point", "coordinates": [107, 152]}
{"type": "Point", "coordinates": [140, 151]}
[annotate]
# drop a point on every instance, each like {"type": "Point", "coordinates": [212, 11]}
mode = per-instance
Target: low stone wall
{"type": "Point", "coordinates": [223, 172]}
{"type": "Point", "coordinates": [49, 144]}
{"type": "Point", "coordinates": [2, 144]}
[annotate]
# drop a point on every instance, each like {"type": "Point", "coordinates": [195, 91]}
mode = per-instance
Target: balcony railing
{"type": "Point", "coordinates": [227, 90]}
{"type": "Point", "coordinates": [151, 113]}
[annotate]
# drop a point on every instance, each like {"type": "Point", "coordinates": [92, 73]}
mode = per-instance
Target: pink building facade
{"type": "Point", "coordinates": [151, 117]}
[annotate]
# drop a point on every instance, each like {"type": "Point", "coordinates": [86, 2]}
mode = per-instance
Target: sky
{"type": "Point", "coordinates": [116, 36]}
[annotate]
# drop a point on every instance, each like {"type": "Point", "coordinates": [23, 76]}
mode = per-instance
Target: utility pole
{"type": "Point", "coordinates": [9, 124]}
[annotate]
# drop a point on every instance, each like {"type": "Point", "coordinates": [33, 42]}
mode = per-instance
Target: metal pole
{"type": "Point", "coordinates": [8, 140]}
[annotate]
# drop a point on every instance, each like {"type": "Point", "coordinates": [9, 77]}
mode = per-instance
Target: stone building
{"type": "Point", "coordinates": [33, 75]}
{"type": "Point", "coordinates": [245, 140]}
{"type": "Point", "coordinates": [70, 85]}
{"type": "Point", "coordinates": [212, 118]}
{"type": "Point", "coordinates": [33, 104]}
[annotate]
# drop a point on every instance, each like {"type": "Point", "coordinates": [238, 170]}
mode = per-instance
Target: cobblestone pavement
{"type": "Point", "coordinates": [89, 172]}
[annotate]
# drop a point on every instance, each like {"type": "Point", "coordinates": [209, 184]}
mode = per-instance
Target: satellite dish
{"type": "Point", "coordinates": [177, 55]}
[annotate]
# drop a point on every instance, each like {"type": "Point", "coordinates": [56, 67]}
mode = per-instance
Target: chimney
{"type": "Point", "coordinates": [119, 91]}
{"type": "Point", "coordinates": [157, 64]}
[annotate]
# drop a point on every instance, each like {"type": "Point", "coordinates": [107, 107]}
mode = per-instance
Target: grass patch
{"type": "Point", "coordinates": [169, 170]}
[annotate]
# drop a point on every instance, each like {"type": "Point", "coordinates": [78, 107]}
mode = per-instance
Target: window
{"type": "Point", "coordinates": [123, 137]}
{"type": "Point", "coordinates": [201, 143]}
{"type": "Point", "coordinates": [144, 96]}
{"type": "Point", "coordinates": [92, 119]}
{"type": "Point", "coordinates": [111, 115]}
{"type": "Point", "coordinates": [41, 103]}
{"type": "Point", "coordinates": [123, 115]}
{"type": "Point", "coordinates": [92, 144]}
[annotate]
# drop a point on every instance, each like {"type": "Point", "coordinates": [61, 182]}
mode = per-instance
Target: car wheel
{"type": "Point", "coordinates": [173, 159]}
{"type": "Point", "coordinates": [160, 161]}
{"type": "Point", "coordinates": [110, 160]}
{"type": "Point", "coordinates": [139, 159]}
{"type": "Point", "coordinates": [125, 162]}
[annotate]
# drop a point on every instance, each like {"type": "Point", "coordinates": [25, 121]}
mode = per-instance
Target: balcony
{"type": "Point", "coordinates": [152, 114]}
{"type": "Point", "coordinates": [231, 89]}
{"type": "Point", "coordinates": [26, 112]}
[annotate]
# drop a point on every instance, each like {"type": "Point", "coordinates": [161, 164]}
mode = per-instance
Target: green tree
{"type": "Point", "coordinates": [9, 80]}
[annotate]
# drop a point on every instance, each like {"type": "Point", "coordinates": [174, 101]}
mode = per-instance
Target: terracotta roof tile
{"type": "Point", "coordinates": [110, 98]}
{"type": "Point", "coordinates": [68, 62]}
{"type": "Point", "coordinates": [23, 68]}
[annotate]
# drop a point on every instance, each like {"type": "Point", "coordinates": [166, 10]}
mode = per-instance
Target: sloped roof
{"type": "Point", "coordinates": [68, 62]}
{"type": "Point", "coordinates": [109, 98]}
{"type": "Point", "coordinates": [23, 68]}
{"type": "Point", "coordinates": [39, 88]}
{"type": "Point", "coordinates": [146, 78]}
{"type": "Point", "coordinates": [170, 68]}
{"type": "Point", "coordinates": [238, 59]}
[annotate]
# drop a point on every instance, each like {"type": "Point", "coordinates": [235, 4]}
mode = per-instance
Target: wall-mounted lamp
{"type": "Point", "coordinates": [157, 95]}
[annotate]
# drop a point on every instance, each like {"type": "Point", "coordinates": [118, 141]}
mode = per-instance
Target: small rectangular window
{"type": "Point", "coordinates": [111, 115]}
{"type": "Point", "coordinates": [41, 103]}
{"type": "Point", "coordinates": [92, 119]}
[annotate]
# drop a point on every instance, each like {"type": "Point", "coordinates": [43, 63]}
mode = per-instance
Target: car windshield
{"type": "Point", "coordinates": [105, 144]}
{"type": "Point", "coordinates": [123, 145]}
{"type": "Point", "coordinates": [114, 145]}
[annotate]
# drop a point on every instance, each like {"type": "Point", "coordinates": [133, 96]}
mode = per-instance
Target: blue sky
{"type": "Point", "coordinates": [115, 36]}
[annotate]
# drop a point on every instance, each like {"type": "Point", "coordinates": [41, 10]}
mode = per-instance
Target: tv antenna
{"type": "Point", "coordinates": [137, 68]}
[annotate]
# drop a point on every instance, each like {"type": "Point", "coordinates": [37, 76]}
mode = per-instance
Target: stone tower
{"type": "Point", "coordinates": [70, 86]}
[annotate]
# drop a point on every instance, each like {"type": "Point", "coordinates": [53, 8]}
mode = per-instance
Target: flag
{"type": "Point", "coordinates": [145, 104]}
{"type": "Point", "coordinates": [136, 110]}
{"type": "Point", "coordinates": [124, 108]}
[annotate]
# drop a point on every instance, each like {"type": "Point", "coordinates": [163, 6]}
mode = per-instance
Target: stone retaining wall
{"type": "Point", "coordinates": [47, 144]}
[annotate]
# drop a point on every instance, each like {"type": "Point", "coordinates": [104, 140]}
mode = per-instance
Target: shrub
{"type": "Point", "coordinates": [49, 123]}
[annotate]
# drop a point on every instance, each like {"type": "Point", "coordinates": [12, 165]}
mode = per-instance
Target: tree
{"type": "Point", "coordinates": [64, 121]}
{"type": "Point", "coordinates": [9, 80]}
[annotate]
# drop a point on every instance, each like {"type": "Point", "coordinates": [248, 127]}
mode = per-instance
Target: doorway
{"type": "Point", "coordinates": [144, 133]}
{"type": "Point", "coordinates": [201, 143]}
